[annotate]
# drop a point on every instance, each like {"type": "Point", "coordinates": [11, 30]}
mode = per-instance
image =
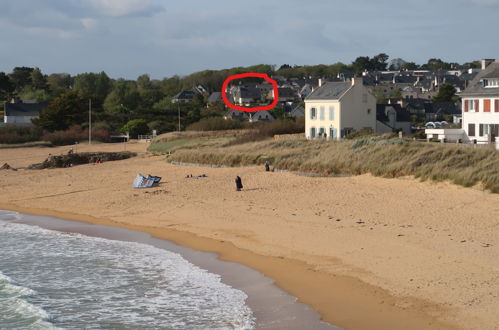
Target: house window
{"type": "Point", "coordinates": [322, 113]}
{"type": "Point", "coordinates": [331, 113]}
{"type": "Point", "coordinates": [312, 132]}
{"type": "Point", "coordinates": [313, 113]}
{"type": "Point", "coordinates": [471, 129]}
{"type": "Point", "coordinates": [471, 105]}
{"type": "Point", "coordinates": [486, 129]}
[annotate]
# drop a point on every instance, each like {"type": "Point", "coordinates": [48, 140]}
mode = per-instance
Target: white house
{"type": "Point", "coordinates": [481, 106]}
{"type": "Point", "coordinates": [480, 110]}
{"type": "Point", "coordinates": [337, 109]}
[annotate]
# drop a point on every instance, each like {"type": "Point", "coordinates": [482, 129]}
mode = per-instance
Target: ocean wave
{"type": "Point", "coordinates": [15, 311]}
{"type": "Point", "coordinates": [94, 282]}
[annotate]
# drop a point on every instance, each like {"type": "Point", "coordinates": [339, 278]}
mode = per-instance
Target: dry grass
{"type": "Point", "coordinates": [381, 156]}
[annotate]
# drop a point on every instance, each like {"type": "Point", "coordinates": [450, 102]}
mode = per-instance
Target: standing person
{"type": "Point", "coordinates": [267, 166]}
{"type": "Point", "coordinates": [239, 183]}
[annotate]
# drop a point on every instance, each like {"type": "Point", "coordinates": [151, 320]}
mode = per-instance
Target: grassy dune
{"type": "Point", "coordinates": [379, 155]}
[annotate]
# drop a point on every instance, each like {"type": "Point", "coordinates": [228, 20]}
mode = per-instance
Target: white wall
{"type": "Point", "coordinates": [328, 125]}
{"type": "Point", "coordinates": [480, 117]}
{"type": "Point", "coordinates": [23, 120]}
{"type": "Point", "coordinates": [350, 111]}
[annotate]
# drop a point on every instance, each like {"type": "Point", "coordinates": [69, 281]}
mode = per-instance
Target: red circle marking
{"type": "Point", "coordinates": [246, 75]}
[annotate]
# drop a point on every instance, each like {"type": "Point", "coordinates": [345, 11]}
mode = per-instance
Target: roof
{"type": "Point", "coordinates": [476, 87]}
{"type": "Point", "coordinates": [24, 109]}
{"type": "Point", "coordinates": [185, 95]}
{"type": "Point", "coordinates": [286, 92]}
{"type": "Point", "coordinates": [215, 97]}
{"type": "Point", "coordinates": [447, 108]}
{"type": "Point", "coordinates": [402, 115]}
{"type": "Point", "coordinates": [298, 111]}
{"type": "Point", "coordinates": [330, 91]}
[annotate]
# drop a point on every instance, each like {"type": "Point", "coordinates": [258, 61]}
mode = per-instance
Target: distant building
{"type": "Point", "coordinates": [392, 118]}
{"type": "Point", "coordinates": [21, 112]}
{"type": "Point", "coordinates": [337, 109]}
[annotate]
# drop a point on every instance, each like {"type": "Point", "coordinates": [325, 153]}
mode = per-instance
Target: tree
{"type": "Point", "coordinates": [95, 85]}
{"type": "Point", "coordinates": [396, 64]}
{"type": "Point", "coordinates": [446, 93]}
{"type": "Point", "coordinates": [6, 87]}
{"type": "Point", "coordinates": [59, 83]}
{"type": "Point", "coordinates": [64, 111]}
{"type": "Point", "coordinates": [136, 127]}
{"type": "Point", "coordinates": [361, 64]}
{"type": "Point", "coordinates": [284, 66]}
{"type": "Point", "coordinates": [38, 80]}
{"type": "Point", "coordinates": [378, 62]}
{"type": "Point", "coordinates": [380, 96]}
{"type": "Point", "coordinates": [409, 66]}
{"type": "Point", "coordinates": [396, 94]}
{"type": "Point", "coordinates": [21, 77]}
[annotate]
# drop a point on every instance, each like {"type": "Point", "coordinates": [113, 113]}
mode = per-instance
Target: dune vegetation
{"type": "Point", "coordinates": [386, 156]}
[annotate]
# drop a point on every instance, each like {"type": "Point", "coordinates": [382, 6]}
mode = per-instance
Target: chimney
{"type": "Point", "coordinates": [486, 61]}
{"type": "Point", "coordinates": [320, 82]}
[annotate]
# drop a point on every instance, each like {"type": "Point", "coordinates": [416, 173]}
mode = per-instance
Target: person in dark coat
{"type": "Point", "coordinates": [239, 183]}
{"type": "Point", "coordinates": [267, 166]}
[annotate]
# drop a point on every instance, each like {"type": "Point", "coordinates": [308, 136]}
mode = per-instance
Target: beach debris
{"type": "Point", "coordinates": [399, 235]}
{"type": "Point", "coordinates": [360, 222]}
{"type": "Point", "coordinates": [7, 167]}
{"type": "Point", "coordinates": [142, 181]}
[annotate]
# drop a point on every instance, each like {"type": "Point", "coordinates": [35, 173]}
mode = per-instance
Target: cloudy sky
{"type": "Point", "coordinates": [126, 38]}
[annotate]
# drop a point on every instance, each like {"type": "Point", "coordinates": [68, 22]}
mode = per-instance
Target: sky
{"type": "Point", "coordinates": [127, 38]}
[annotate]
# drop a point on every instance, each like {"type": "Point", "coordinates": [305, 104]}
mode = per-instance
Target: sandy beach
{"type": "Point", "coordinates": [365, 252]}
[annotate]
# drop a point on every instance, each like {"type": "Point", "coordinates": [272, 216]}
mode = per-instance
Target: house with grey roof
{"type": "Point", "coordinates": [392, 118]}
{"type": "Point", "coordinates": [480, 110]}
{"type": "Point", "coordinates": [337, 109]}
{"type": "Point", "coordinates": [21, 113]}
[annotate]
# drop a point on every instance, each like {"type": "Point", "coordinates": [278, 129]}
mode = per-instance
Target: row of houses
{"type": "Point", "coordinates": [337, 109]}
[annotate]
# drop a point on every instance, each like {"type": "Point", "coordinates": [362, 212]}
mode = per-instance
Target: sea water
{"type": "Point", "coordinates": [51, 280]}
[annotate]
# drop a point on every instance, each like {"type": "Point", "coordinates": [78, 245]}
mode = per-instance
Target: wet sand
{"type": "Point", "coordinates": [365, 252]}
{"type": "Point", "coordinates": [272, 307]}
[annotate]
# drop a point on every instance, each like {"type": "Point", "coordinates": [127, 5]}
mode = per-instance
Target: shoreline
{"type": "Point", "coordinates": [272, 307]}
{"type": "Point", "coordinates": [336, 298]}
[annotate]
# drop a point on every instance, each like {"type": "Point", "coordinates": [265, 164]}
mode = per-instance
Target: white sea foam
{"type": "Point", "coordinates": [93, 282]}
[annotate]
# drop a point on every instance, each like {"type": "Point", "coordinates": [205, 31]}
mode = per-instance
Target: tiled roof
{"type": "Point", "coordinates": [476, 87]}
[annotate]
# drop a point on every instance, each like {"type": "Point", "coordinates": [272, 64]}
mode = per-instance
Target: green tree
{"type": "Point", "coordinates": [396, 94]}
{"type": "Point", "coordinates": [64, 111]}
{"type": "Point", "coordinates": [6, 87]}
{"type": "Point", "coordinates": [38, 80]}
{"type": "Point", "coordinates": [58, 83]}
{"type": "Point", "coordinates": [136, 127]}
{"type": "Point", "coordinates": [380, 96]}
{"type": "Point", "coordinates": [446, 93]}
{"type": "Point", "coordinates": [409, 66]}
{"type": "Point", "coordinates": [21, 77]}
{"type": "Point", "coordinates": [95, 85]}
{"type": "Point", "coordinates": [40, 95]}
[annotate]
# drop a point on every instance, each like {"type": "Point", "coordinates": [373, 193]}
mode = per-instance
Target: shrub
{"type": "Point", "coordinates": [12, 134]}
{"type": "Point", "coordinates": [136, 127]}
{"type": "Point", "coordinates": [75, 134]}
{"type": "Point", "coordinates": [70, 136]}
{"type": "Point", "coordinates": [215, 124]}
{"type": "Point", "coordinates": [264, 130]}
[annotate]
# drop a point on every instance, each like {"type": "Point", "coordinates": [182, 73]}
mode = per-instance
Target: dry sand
{"type": "Point", "coordinates": [366, 252]}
